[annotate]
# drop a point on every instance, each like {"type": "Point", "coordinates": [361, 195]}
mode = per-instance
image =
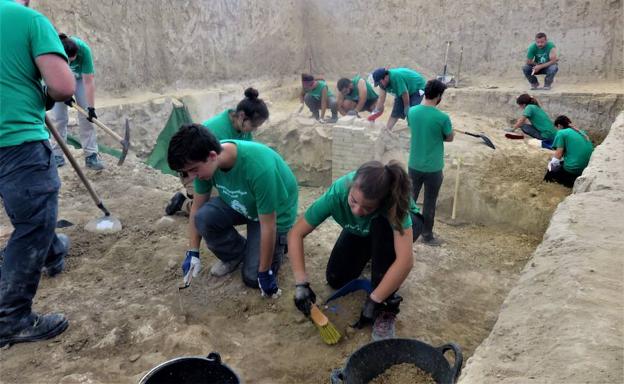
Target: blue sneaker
{"type": "Point", "coordinates": [40, 327]}
{"type": "Point", "coordinates": [57, 266]}
{"type": "Point", "coordinates": [94, 162]}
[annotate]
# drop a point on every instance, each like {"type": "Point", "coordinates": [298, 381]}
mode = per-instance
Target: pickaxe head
{"type": "Point", "coordinates": [125, 144]}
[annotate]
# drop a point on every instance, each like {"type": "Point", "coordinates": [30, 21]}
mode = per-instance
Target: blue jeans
{"type": "Point", "coordinates": [398, 109]}
{"type": "Point", "coordinates": [315, 105]}
{"type": "Point", "coordinates": [215, 221]}
{"type": "Point", "coordinates": [549, 71]}
{"type": "Point", "coordinates": [29, 186]}
{"type": "Point", "coordinates": [432, 182]}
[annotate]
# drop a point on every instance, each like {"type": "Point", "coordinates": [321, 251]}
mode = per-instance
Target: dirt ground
{"type": "Point", "coordinates": [126, 314]}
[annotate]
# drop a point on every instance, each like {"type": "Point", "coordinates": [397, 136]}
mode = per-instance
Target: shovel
{"type": "Point", "coordinates": [446, 79]}
{"type": "Point", "coordinates": [486, 140]}
{"type": "Point", "coordinates": [105, 224]}
{"type": "Point", "coordinates": [125, 141]}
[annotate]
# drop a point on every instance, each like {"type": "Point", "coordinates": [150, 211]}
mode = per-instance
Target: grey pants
{"type": "Point", "coordinates": [88, 138]}
{"type": "Point", "coordinates": [432, 182]}
{"type": "Point", "coordinates": [215, 221]}
{"type": "Point", "coordinates": [315, 105]}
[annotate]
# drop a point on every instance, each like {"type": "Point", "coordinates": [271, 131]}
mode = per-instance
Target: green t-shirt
{"type": "Point", "coordinates": [25, 34]}
{"type": "Point", "coordinates": [540, 55]}
{"type": "Point", "coordinates": [316, 91]}
{"type": "Point", "coordinates": [221, 126]}
{"type": "Point", "coordinates": [428, 126]}
{"type": "Point", "coordinates": [540, 120]}
{"type": "Point", "coordinates": [576, 149]}
{"type": "Point", "coordinates": [404, 79]}
{"type": "Point", "coordinates": [335, 203]}
{"type": "Point", "coordinates": [259, 183]}
{"type": "Point", "coordinates": [83, 64]}
{"type": "Point", "coordinates": [355, 94]}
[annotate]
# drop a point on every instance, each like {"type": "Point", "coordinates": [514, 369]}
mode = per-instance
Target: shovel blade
{"type": "Point", "coordinates": [104, 224]}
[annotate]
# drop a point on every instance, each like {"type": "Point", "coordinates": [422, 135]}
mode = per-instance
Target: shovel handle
{"type": "Point", "coordinates": [456, 194]}
{"type": "Point", "coordinates": [99, 123]}
{"type": "Point", "coordinates": [74, 164]}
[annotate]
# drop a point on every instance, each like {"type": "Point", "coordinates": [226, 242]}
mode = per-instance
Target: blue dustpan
{"type": "Point", "coordinates": [351, 286]}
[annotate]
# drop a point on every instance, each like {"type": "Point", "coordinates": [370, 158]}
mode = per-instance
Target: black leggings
{"type": "Point", "coordinates": [561, 176]}
{"type": "Point", "coordinates": [351, 252]}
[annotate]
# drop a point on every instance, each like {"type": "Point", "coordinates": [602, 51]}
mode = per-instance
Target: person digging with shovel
{"type": "Point", "coordinates": [429, 129]}
{"type": "Point", "coordinates": [238, 124]}
{"type": "Point", "coordinates": [81, 60]}
{"type": "Point", "coordinates": [256, 188]}
{"type": "Point", "coordinates": [379, 223]}
{"type": "Point", "coordinates": [407, 87]}
{"type": "Point", "coordinates": [29, 181]}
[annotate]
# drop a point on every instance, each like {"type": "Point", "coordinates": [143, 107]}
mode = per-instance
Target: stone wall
{"type": "Point", "coordinates": [353, 36]}
{"type": "Point", "coordinates": [563, 321]}
{"type": "Point", "coordinates": [151, 45]}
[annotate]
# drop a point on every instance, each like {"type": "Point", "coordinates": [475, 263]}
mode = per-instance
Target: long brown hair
{"type": "Point", "coordinates": [389, 185]}
{"type": "Point", "coordinates": [526, 99]}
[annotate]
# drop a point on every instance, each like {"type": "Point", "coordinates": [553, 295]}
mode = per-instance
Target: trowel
{"type": "Point", "coordinates": [104, 224]}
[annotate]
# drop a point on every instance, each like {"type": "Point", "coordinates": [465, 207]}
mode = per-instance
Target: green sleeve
{"type": "Point", "coordinates": [559, 141]}
{"type": "Point", "coordinates": [87, 60]}
{"type": "Point", "coordinates": [202, 187]}
{"type": "Point", "coordinates": [531, 51]}
{"type": "Point", "coordinates": [267, 187]}
{"type": "Point", "coordinates": [447, 127]}
{"type": "Point", "coordinates": [407, 221]}
{"type": "Point", "coordinates": [529, 111]}
{"type": "Point", "coordinates": [319, 210]}
{"type": "Point", "coordinates": [44, 38]}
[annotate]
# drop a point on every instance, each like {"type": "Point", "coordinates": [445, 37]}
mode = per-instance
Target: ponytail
{"type": "Point", "coordinates": [254, 108]}
{"type": "Point", "coordinates": [526, 99]}
{"type": "Point", "coordinates": [69, 45]}
{"type": "Point", "coordinates": [390, 185]}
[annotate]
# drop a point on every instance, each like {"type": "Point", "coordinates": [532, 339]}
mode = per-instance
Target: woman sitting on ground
{"type": "Point", "coordinates": [380, 222]}
{"type": "Point", "coordinates": [573, 148]}
{"type": "Point", "coordinates": [534, 121]}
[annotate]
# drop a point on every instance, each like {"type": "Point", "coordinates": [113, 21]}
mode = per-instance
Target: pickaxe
{"type": "Point", "coordinates": [125, 141]}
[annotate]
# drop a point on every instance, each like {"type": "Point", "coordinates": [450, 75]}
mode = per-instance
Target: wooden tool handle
{"type": "Point", "coordinates": [98, 123]}
{"type": "Point", "coordinates": [317, 316]}
{"type": "Point", "coordinates": [72, 161]}
{"type": "Point", "coordinates": [456, 190]}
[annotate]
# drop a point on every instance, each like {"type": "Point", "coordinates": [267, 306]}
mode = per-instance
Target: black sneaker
{"type": "Point", "coordinates": [175, 204]}
{"type": "Point", "coordinates": [43, 327]}
{"type": "Point", "coordinates": [57, 265]}
{"type": "Point", "coordinates": [431, 241]}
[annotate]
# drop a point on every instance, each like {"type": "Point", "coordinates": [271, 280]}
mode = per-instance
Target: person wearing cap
{"type": "Point", "coordinates": [316, 95]}
{"type": "Point", "coordinates": [407, 87]}
{"type": "Point", "coordinates": [355, 95]}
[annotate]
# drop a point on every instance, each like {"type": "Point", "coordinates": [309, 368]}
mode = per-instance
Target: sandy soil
{"type": "Point", "coordinates": [403, 374]}
{"type": "Point", "coordinates": [127, 315]}
{"type": "Point", "coordinates": [120, 294]}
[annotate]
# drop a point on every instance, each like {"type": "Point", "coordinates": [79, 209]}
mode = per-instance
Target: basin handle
{"type": "Point", "coordinates": [336, 376]}
{"type": "Point", "coordinates": [214, 356]}
{"type": "Point", "coordinates": [459, 358]}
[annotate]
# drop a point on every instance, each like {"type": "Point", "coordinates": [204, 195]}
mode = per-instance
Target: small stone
{"type": "Point", "coordinates": [533, 265]}
{"type": "Point", "coordinates": [165, 222]}
{"type": "Point", "coordinates": [134, 357]}
{"type": "Point", "coordinates": [171, 264]}
{"type": "Point", "coordinates": [591, 270]}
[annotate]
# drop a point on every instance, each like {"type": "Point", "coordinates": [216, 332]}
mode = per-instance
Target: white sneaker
{"type": "Point", "coordinates": [222, 268]}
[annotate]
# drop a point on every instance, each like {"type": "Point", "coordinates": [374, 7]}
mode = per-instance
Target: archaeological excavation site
{"type": "Point", "coordinates": [525, 283]}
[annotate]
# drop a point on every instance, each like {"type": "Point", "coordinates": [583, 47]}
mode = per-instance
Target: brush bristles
{"type": "Point", "coordinates": [329, 333]}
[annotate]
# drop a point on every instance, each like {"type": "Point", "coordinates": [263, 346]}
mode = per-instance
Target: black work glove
{"type": "Point", "coordinates": [304, 297]}
{"type": "Point", "coordinates": [92, 114]}
{"type": "Point", "coordinates": [71, 101]}
{"type": "Point", "coordinates": [49, 102]}
{"type": "Point", "coordinates": [368, 314]}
